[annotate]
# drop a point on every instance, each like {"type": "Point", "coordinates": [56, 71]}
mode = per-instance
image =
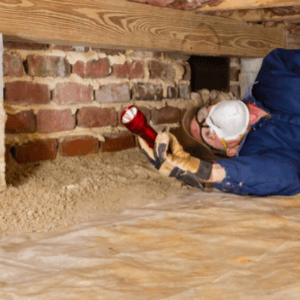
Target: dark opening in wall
{"type": "Point", "coordinates": [210, 73]}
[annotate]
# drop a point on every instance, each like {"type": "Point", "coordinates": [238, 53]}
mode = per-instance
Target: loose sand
{"type": "Point", "coordinates": [49, 195]}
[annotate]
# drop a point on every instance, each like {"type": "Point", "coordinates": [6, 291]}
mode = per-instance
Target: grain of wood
{"type": "Point", "coordinates": [121, 24]}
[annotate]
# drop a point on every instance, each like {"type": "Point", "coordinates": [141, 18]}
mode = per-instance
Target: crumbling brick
{"type": "Point", "coordinates": [72, 92]}
{"type": "Point", "coordinates": [117, 142]}
{"type": "Point", "coordinates": [128, 70]}
{"type": "Point", "coordinates": [172, 92]}
{"type": "Point", "coordinates": [92, 69]}
{"type": "Point", "coordinates": [35, 151]}
{"type": "Point", "coordinates": [12, 65]}
{"type": "Point", "coordinates": [113, 93]}
{"type": "Point", "coordinates": [89, 117]}
{"type": "Point", "coordinates": [78, 145]}
{"type": "Point", "coordinates": [21, 122]}
{"type": "Point", "coordinates": [160, 70]}
{"type": "Point", "coordinates": [165, 115]}
{"type": "Point", "coordinates": [22, 92]}
{"type": "Point", "coordinates": [147, 91]}
{"type": "Point", "coordinates": [43, 66]}
{"type": "Point", "coordinates": [184, 91]}
{"type": "Point", "coordinates": [55, 120]}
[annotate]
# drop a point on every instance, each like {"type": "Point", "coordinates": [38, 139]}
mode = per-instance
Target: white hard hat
{"type": "Point", "coordinates": [229, 119]}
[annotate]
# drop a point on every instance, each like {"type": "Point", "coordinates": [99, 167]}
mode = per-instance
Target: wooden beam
{"type": "Point", "coordinates": [293, 41]}
{"type": "Point", "coordinates": [248, 4]}
{"type": "Point", "coordinates": [126, 25]}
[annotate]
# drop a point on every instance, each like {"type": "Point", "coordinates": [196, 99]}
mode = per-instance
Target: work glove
{"type": "Point", "coordinates": [169, 158]}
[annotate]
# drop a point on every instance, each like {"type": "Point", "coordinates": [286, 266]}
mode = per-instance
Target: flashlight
{"type": "Point", "coordinates": [136, 122]}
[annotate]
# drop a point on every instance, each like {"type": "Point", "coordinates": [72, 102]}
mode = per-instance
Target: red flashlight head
{"type": "Point", "coordinates": [136, 122]}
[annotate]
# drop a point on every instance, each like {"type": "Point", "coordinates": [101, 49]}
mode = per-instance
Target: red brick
{"type": "Point", "coordinates": [184, 91]}
{"type": "Point", "coordinates": [36, 151]}
{"type": "Point", "coordinates": [21, 92]}
{"type": "Point", "coordinates": [43, 66]}
{"type": "Point", "coordinates": [25, 46]}
{"type": "Point", "coordinates": [12, 65]}
{"type": "Point", "coordinates": [89, 117]}
{"type": "Point", "coordinates": [129, 70]}
{"type": "Point", "coordinates": [55, 120]}
{"type": "Point", "coordinates": [145, 111]}
{"type": "Point", "coordinates": [161, 71]}
{"type": "Point", "coordinates": [21, 122]}
{"type": "Point", "coordinates": [113, 93]}
{"type": "Point", "coordinates": [72, 92]}
{"type": "Point", "coordinates": [92, 69]}
{"type": "Point", "coordinates": [78, 145]}
{"type": "Point", "coordinates": [147, 91]}
{"type": "Point", "coordinates": [117, 142]}
{"type": "Point", "coordinates": [165, 115]}
{"type": "Point", "coordinates": [172, 92]}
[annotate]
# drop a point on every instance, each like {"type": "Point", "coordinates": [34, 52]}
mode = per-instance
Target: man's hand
{"type": "Point", "coordinates": [169, 158]}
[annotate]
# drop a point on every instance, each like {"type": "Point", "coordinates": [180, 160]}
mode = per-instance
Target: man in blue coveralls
{"type": "Point", "coordinates": [259, 134]}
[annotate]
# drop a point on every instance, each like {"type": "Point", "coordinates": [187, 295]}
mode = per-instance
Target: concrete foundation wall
{"type": "Point", "coordinates": [249, 71]}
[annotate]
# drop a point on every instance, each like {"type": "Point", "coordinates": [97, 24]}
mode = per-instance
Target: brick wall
{"type": "Point", "coordinates": [64, 100]}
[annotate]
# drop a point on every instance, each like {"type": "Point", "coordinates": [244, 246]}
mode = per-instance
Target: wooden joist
{"type": "Point", "coordinates": [126, 25]}
{"type": "Point", "coordinates": [293, 41]}
{"type": "Point", "coordinates": [249, 4]}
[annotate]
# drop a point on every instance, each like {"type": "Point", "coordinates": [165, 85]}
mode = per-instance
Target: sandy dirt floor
{"type": "Point", "coordinates": [111, 227]}
{"type": "Point", "coordinates": [50, 195]}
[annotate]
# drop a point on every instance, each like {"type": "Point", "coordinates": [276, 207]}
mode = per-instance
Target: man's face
{"type": "Point", "coordinates": [208, 135]}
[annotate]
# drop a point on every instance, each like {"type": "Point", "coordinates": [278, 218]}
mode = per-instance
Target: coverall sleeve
{"type": "Point", "coordinates": [278, 82]}
{"type": "Point", "coordinates": [260, 174]}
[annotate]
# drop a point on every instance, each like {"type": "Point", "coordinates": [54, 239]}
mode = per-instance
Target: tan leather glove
{"type": "Point", "coordinates": [169, 158]}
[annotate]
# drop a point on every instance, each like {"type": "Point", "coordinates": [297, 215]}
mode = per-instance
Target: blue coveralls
{"type": "Point", "coordinates": [268, 159]}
